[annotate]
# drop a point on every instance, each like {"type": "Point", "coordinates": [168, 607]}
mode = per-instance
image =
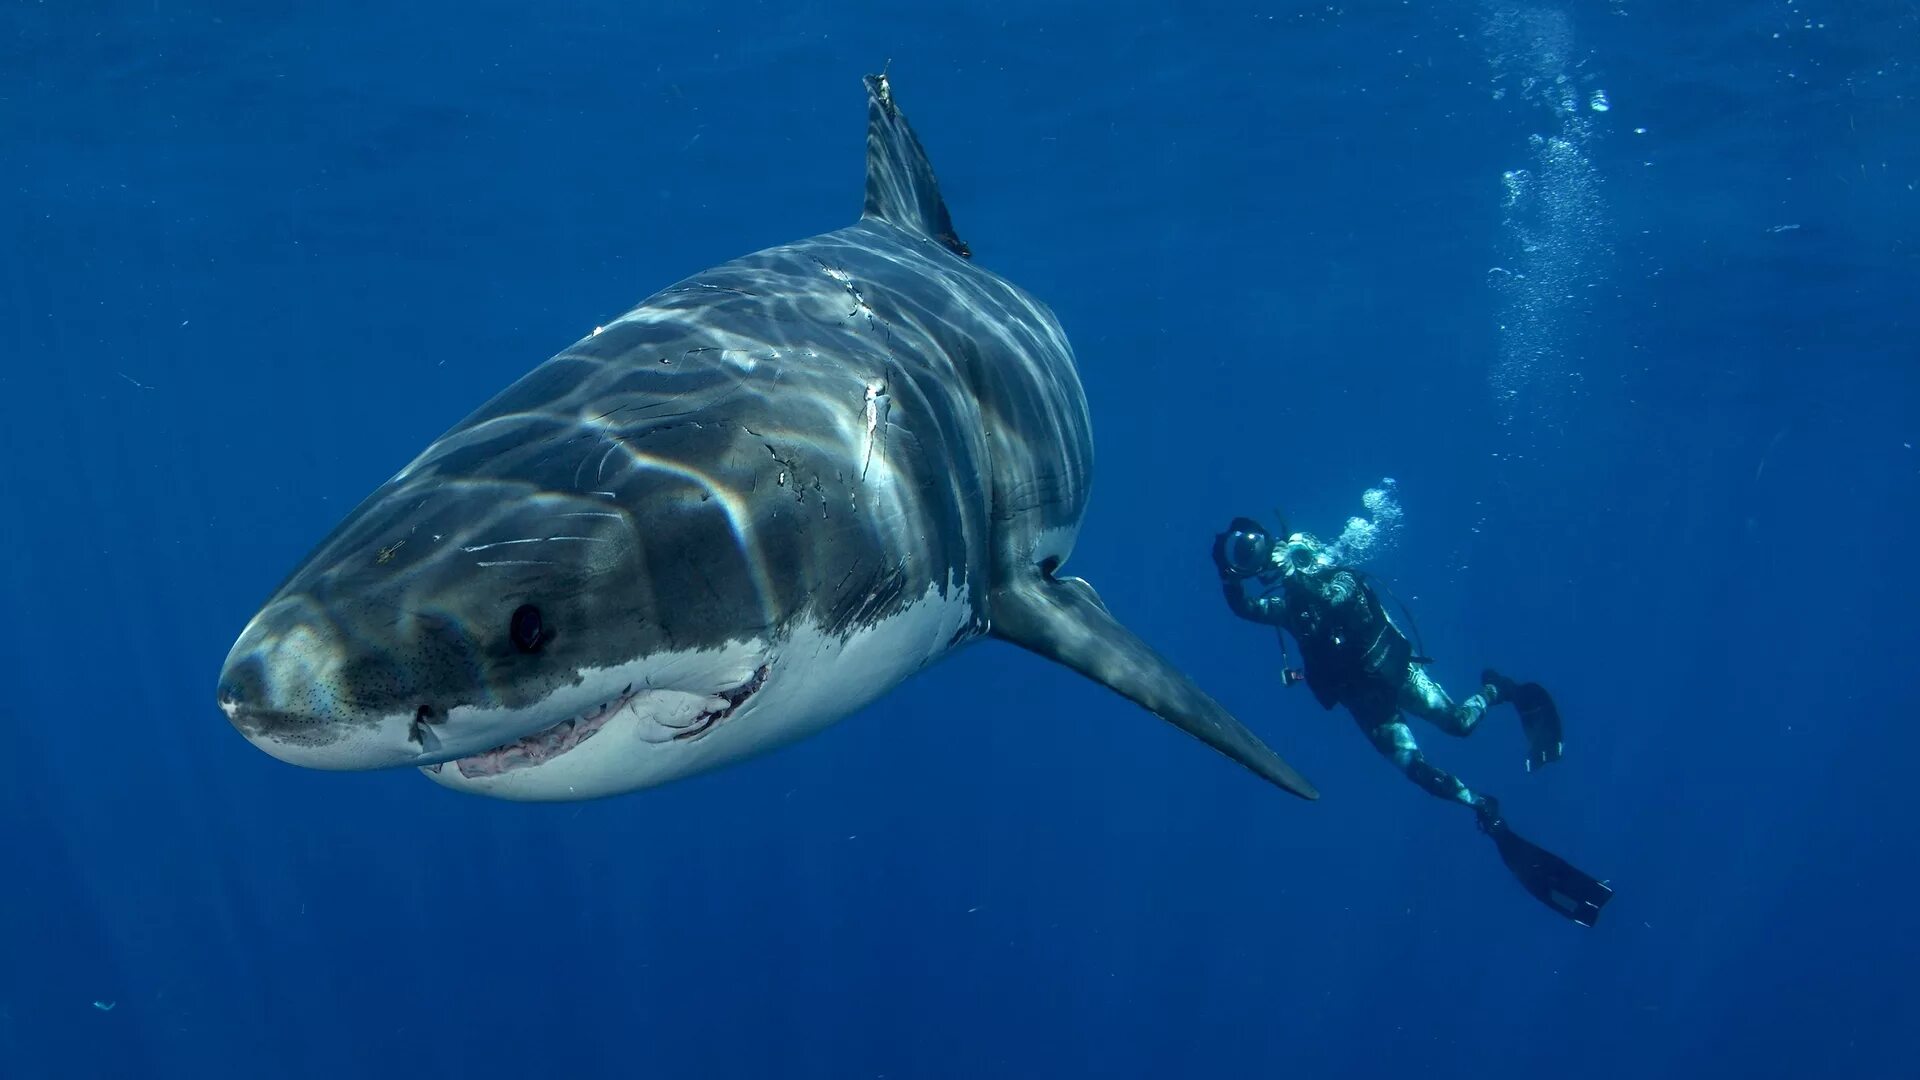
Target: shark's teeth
{"type": "Point", "coordinates": [545, 745]}
{"type": "Point", "coordinates": [549, 743]}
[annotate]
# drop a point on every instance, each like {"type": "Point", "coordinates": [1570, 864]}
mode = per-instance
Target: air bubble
{"type": "Point", "coordinates": [1361, 539]}
{"type": "Point", "coordinates": [1553, 213]}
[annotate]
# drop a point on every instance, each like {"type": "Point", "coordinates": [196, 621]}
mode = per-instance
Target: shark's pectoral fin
{"type": "Point", "coordinates": [1063, 620]}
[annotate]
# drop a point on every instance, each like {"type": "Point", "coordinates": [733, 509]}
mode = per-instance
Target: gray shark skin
{"type": "Point", "coordinates": [739, 512]}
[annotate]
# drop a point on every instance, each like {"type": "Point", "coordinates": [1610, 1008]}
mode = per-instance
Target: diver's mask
{"type": "Point", "coordinates": [1244, 550]}
{"type": "Point", "coordinates": [1302, 555]}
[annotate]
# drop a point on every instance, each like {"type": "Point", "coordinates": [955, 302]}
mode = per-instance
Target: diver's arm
{"type": "Point", "coordinates": [1264, 610]}
{"type": "Point", "coordinates": [1237, 598]}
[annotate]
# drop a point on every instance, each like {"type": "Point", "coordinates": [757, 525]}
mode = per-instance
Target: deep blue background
{"type": "Point", "coordinates": [250, 262]}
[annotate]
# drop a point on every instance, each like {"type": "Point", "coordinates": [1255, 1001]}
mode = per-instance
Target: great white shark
{"type": "Point", "coordinates": [744, 509]}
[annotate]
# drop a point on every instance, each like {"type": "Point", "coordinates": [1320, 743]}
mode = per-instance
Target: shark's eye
{"type": "Point", "coordinates": [526, 629]}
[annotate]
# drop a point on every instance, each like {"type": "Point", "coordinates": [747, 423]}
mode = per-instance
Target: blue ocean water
{"type": "Point", "coordinates": [1620, 294]}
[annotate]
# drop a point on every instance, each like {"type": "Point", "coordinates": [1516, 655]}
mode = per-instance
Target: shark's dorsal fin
{"type": "Point", "coordinates": [901, 189]}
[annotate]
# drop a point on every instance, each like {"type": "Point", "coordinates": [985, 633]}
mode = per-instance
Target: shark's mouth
{"type": "Point", "coordinates": [549, 743]}
{"type": "Point", "coordinates": [543, 746]}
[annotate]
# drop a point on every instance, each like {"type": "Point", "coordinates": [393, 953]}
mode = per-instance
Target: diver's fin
{"type": "Point", "coordinates": [1539, 716]}
{"type": "Point", "coordinates": [1550, 878]}
{"type": "Point", "coordinates": [1063, 620]}
{"type": "Point", "coordinates": [1540, 720]}
{"type": "Point", "coordinates": [901, 189]}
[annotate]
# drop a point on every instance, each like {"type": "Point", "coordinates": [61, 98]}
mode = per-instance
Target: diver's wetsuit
{"type": "Point", "coordinates": [1355, 656]}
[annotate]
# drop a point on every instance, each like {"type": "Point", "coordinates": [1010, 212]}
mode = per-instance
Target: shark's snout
{"type": "Point", "coordinates": [281, 688]}
{"type": "Point", "coordinates": [244, 696]}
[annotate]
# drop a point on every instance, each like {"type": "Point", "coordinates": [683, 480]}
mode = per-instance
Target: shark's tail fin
{"type": "Point", "coordinates": [901, 188]}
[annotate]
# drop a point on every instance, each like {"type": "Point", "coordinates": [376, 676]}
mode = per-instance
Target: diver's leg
{"type": "Point", "coordinates": [1424, 698]}
{"type": "Point", "coordinates": [1395, 740]}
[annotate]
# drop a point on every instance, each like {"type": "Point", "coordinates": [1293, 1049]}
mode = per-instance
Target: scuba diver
{"type": "Point", "coordinates": [1354, 655]}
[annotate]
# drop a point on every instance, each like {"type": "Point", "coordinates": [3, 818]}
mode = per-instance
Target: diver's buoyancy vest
{"type": "Point", "coordinates": [1344, 644]}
